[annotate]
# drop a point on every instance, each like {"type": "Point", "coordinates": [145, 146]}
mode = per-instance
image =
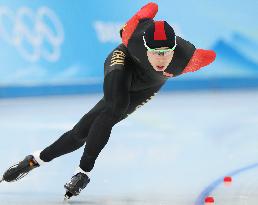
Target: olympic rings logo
{"type": "Point", "coordinates": [35, 35]}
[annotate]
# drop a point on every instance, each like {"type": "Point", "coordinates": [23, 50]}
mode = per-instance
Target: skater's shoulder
{"type": "Point", "coordinates": [118, 54]}
{"type": "Point", "coordinates": [121, 47]}
{"type": "Point", "coordinates": [117, 57]}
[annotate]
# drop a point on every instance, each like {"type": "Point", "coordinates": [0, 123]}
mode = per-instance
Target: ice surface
{"type": "Point", "coordinates": [172, 150]}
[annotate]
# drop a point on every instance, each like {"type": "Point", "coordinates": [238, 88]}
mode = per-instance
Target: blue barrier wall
{"type": "Point", "coordinates": [55, 47]}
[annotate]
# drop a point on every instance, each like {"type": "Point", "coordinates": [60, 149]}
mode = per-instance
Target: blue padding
{"type": "Point", "coordinates": [171, 85]}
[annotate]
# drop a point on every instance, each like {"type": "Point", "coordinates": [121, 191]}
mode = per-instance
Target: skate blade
{"type": "Point", "coordinates": [1, 180]}
{"type": "Point", "coordinates": [65, 199]}
{"type": "Point", "coordinates": [67, 196]}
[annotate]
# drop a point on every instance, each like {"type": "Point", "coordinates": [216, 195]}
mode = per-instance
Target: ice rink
{"type": "Point", "coordinates": [175, 150]}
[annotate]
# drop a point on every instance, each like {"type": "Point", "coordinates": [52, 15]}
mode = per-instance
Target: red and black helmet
{"type": "Point", "coordinates": [160, 34]}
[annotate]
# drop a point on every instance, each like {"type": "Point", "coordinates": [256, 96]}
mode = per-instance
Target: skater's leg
{"type": "Point", "coordinates": [74, 138]}
{"type": "Point", "coordinates": [68, 142]}
{"type": "Point", "coordinates": [139, 98]}
{"type": "Point", "coordinates": [101, 128]}
{"type": "Point", "coordinates": [96, 142]}
{"type": "Point", "coordinates": [117, 99]}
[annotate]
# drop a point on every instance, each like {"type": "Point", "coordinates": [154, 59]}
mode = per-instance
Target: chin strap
{"type": "Point", "coordinates": [147, 11]}
{"type": "Point", "coordinates": [200, 59]}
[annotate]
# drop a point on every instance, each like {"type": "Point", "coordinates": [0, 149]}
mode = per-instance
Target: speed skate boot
{"type": "Point", "coordinates": [20, 170]}
{"type": "Point", "coordinates": [78, 182]}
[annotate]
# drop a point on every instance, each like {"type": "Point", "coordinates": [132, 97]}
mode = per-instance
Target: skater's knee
{"type": "Point", "coordinates": [78, 136]}
{"type": "Point", "coordinates": [87, 162]}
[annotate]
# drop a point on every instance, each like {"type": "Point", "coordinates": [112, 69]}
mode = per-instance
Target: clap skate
{"type": "Point", "coordinates": [20, 170]}
{"type": "Point", "coordinates": [76, 185]}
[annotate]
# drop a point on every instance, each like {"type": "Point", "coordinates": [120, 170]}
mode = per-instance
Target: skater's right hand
{"type": "Point", "coordinates": [148, 11]}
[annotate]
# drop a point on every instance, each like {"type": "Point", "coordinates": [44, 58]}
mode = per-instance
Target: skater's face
{"type": "Point", "coordinates": [160, 60]}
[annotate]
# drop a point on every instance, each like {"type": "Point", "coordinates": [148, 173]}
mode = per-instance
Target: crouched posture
{"type": "Point", "coordinates": [135, 71]}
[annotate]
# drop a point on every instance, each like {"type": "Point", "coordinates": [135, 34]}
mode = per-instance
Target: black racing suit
{"type": "Point", "coordinates": [129, 82]}
{"type": "Point", "coordinates": [126, 88]}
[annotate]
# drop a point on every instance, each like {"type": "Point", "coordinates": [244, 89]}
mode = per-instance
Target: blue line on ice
{"type": "Point", "coordinates": [209, 189]}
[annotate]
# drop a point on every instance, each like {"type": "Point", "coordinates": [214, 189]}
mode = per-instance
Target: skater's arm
{"type": "Point", "coordinates": [117, 59]}
{"type": "Point", "coordinates": [147, 11]}
{"type": "Point", "coordinates": [200, 59]}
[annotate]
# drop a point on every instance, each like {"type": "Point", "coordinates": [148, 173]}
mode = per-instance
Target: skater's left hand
{"type": "Point", "coordinates": [200, 59]}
